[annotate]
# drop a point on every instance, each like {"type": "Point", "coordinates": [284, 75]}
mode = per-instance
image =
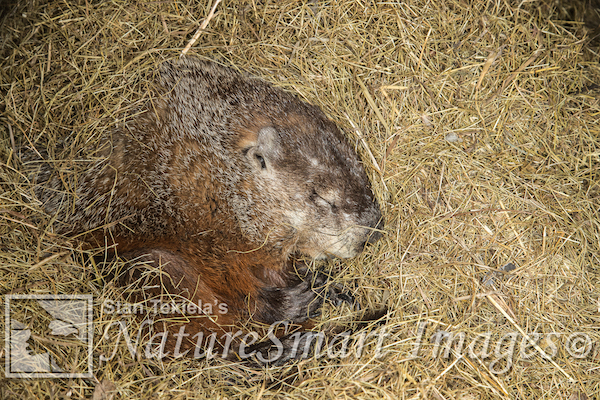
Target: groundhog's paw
{"type": "Point", "coordinates": [317, 289]}
{"type": "Point", "coordinates": [302, 301]}
{"type": "Point", "coordinates": [337, 295]}
{"type": "Point", "coordinates": [331, 292]}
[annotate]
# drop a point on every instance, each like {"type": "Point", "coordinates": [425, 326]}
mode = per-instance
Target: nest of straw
{"type": "Point", "coordinates": [477, 122]}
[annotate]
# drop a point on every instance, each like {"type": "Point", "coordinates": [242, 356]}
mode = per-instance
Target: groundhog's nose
{"type": "Point", "coordinates": [376, 234]}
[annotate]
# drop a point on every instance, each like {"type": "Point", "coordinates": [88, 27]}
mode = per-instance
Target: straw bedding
{"type": "Point", "coordinates": [477, 122]}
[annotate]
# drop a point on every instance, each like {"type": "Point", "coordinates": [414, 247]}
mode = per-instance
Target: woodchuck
{"type": "Point", "coordinates": [219, 182]}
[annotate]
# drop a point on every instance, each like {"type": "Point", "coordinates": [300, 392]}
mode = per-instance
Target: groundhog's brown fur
{"type": "Point", "coordinates": [220, 181]}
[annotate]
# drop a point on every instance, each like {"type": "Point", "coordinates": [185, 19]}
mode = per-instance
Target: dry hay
{"type": "Point", "coordinates": [478, 124]}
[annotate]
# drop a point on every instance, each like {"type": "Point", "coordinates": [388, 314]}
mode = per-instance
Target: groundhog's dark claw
{"type": "Point", "coordinates": [344, 297]}
{"type": "Point", "coordinates": [315, 313]}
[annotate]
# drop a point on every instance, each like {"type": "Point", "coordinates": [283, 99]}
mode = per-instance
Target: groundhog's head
{"type": "Point", "coordinates": [302, 173]}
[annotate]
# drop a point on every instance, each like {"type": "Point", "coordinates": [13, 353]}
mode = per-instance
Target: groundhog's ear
{"type": "Point", "coordinates": [265, 139]}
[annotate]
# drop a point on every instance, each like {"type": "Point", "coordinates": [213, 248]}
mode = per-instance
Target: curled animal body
{"type": "Point", "coordinates": [216, 185]}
